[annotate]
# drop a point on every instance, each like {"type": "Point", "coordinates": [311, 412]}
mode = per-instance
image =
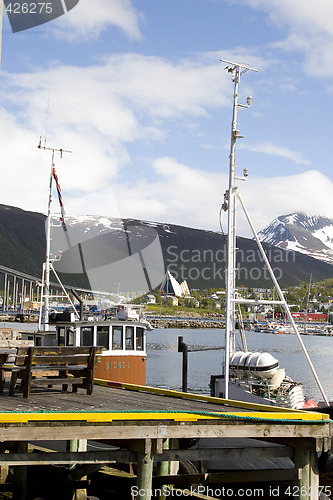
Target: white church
{"type": "Point", "coordinates": [170, 286]}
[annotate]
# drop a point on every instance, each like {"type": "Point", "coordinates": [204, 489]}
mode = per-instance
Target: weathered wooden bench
{"type": "Point", "coordinates": [53, 366]}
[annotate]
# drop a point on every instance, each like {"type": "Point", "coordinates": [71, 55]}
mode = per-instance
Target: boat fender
{"type": "Point", "coordinates": [250, 364]}
{"type": "Point", "coordinates": [277, 379]}
{"type": "Point", "coordinates": [240, 363]}
{"type": "Point", "coordinates": [263, 365]}
{"type": "Point", "coordinates": [234, 361]}
{"type": "Point", "coordinates": [309, 403]}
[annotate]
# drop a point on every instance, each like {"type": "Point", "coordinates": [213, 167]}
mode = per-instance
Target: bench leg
{"type": "Point", "coordinates": [27, 384]}
{"type": "Point", "coordinates": [2, 380]}
{"type": "Point", "coordinates": [90, 370]}
{"type": "Point", "coordinates": [90, 387]}
{"type": "Point", "coordinates": [13, 381]}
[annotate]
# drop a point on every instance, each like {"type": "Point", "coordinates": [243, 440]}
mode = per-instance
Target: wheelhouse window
{"type": "Point", "coordinates": [129, 338]}
{"type": "Point", "coordinates": [117, 337]}
{"type": "Point", "coordinates": [103, 337]}
{"type": "Point", "coordinates": [70, 336]}
{"type": "Point", "coordinates": [139, 339]}
{"type": "Point", "coordinates": [61, 336]}
{"type": "Point", "coordinates": [87, 336]}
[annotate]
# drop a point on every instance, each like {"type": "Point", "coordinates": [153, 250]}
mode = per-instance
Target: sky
{"type": "Point", "coordinates": [135, 89]}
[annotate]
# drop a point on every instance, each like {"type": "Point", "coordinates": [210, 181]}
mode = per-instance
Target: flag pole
{"type": "Point", "coordinates": [48, 260]}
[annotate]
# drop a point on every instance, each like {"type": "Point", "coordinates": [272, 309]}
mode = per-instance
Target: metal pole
{"type": "Point", "coordinates": [22, 294]}
{"type": "Point", "coordinates": [14, 293]}
{"type": "Point", "coordinates": [5, 293]}
{"type": "Point", "coordinates": [236, 70]}
{"type": "Point", "coordinates": [45, 323]}
{"type": "Point", "coordinates": [231, 250]}
{"type": "Point", "coordinates": [8, 291]}
{"type": "Point", "coordinates": [182, 347]}
{"type": "Point", "coordinates": [48, 263]}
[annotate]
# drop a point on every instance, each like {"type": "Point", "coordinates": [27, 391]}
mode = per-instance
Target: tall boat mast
{"type": "Point", "coordinates": [47, 266]}
{"type": "Point", "coordinates": [232, 298]}
{"type": "Point", "coordinates": [236, 70]}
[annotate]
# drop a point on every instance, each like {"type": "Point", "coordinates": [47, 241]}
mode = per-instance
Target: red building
{"type": "Point", "coordinates": [309, 316]}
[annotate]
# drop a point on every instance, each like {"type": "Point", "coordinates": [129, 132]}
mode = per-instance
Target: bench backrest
{"type": "Point", "coordinates": [56, 355]}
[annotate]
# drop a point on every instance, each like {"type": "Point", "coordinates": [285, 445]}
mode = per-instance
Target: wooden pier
{"type": "Point", "coordinates": [146, 443]}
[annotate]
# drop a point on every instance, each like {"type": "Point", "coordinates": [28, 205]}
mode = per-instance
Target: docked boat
{"type": "Point", "coordinates": [247, 376]}
{"type": "Point", "coordinates": [122, 336]}
{"type": "Point", "coordinates": [121, 332]}
{"type": "Point", "coordinates": [124, 342]}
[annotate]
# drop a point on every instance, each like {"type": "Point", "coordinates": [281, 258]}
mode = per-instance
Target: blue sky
{"type": "Point", "coordinates": [137, 91]}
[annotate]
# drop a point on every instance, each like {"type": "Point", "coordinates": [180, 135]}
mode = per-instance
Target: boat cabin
{"type": "Point", "coordinates": [124, 343]}
{"type": "Point", "coordinates": [123, 337]}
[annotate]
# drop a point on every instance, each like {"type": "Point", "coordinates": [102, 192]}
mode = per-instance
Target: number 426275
{"type": "Point", "coordinates": [29, 8]}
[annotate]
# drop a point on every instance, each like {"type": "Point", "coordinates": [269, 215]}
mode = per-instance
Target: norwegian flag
{"type": "Point", "coordinates": [55, 177]}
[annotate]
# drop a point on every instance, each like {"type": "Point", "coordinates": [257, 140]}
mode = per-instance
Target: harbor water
{"type": "Point", "coordinates": [164, 362]}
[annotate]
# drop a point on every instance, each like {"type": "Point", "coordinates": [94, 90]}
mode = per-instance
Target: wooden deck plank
{"type": "Point", "coordinates": [115, 399]}
{"type": "Point", "coordinates": [103, 398]}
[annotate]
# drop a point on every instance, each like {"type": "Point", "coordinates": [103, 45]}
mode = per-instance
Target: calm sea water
{"type": "Point", "coordinates": [164, 362]}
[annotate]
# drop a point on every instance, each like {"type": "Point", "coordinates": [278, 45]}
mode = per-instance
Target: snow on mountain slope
{"type": "Point", "coordinates": [308, 234]}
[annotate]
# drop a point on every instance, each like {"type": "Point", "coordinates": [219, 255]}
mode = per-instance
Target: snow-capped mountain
{"type": "Point", "coordinates": [83, 248]}
{"type": "Point", "coordinates": [308, 234]}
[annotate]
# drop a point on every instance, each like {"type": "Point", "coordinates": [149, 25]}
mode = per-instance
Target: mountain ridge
{"type": "Point", "coordinates": [311, 235]}
{"type": "Point", "coordinates": [195, 255]}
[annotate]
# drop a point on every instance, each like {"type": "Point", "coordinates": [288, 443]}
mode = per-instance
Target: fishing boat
{"type": "Point", "coordinates": [122, 335]}
{"type": "Point", "coordinates": [121, 331]}
{"type": "Point", "coordinates": [252, 376]}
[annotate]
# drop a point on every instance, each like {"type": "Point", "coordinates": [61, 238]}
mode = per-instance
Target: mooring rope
{"type": "Point", "coordinates": [229, 416]}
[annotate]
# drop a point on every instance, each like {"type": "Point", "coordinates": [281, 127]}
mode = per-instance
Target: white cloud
{"type": "Point", "coordinates": [192, 197]}
{"type": "Point", "coordinates": [178, 194]}
{"type": "Point", "coordinates": [309, 30]}
{"type": "Point", "coordinates": [98, 111]}
{"type": "Point", "coordinates": [309, 192]}
{"type": "Point", "coordinates": [313, 17]}
{"type": "Point", "coordinates": [273, 149]}
{"type": "Point", "coordinates": [89, 18]}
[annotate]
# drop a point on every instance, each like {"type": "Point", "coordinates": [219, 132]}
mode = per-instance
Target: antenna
{"type": "Point", "coordinates": [48, 262]}
{"type": "Point", "coordinates": [236, 69]}
{"type": "Point", "coordinates": [47, 117]}
{"type": "Point", "coordinates": [61, 150]}
{"type": "Point", "coordinates": [235, 65]}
